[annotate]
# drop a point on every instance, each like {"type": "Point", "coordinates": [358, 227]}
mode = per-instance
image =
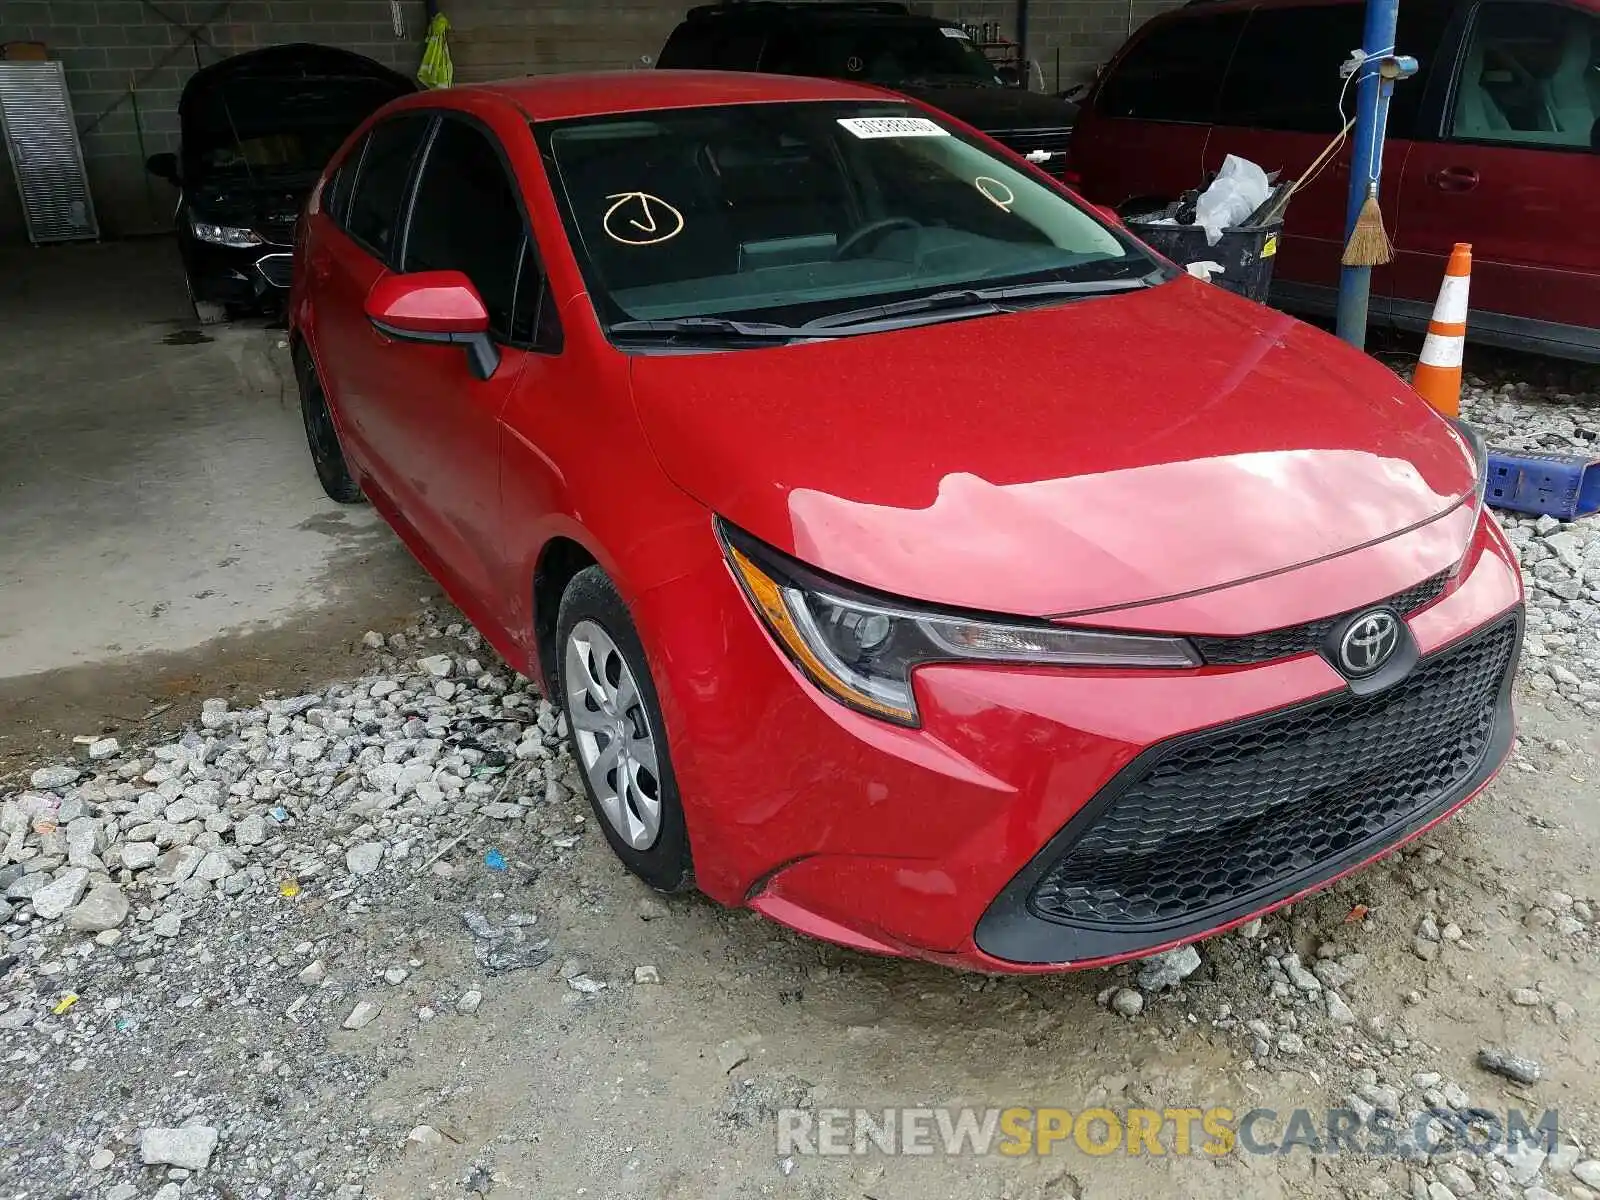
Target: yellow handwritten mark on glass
{"type": "Point", "coordinates": [995, 192]}
{"type": "Point", "coordinates": [640, 219]}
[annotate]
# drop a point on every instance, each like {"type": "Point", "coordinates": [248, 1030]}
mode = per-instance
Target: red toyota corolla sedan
{"type": "Point", "coordinates": [918, 559]}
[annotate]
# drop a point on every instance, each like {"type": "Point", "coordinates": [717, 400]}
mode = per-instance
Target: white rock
{"type": "Point", "coordinates": [362, 1014]}
{"type": "Point", "coordinates": [122, 1191]}
{"type": "Point", "coordinates": [214, 866]}
{"type": "Point", "coordinates": [50, 778]}
{"type": "Point", "coordinates": [1523, 1160]}
{"type": "Point", "coordinates": [167, 925]}
{"type": "Point", "coordinates": [363, 858]}
{"type": "Point", "coordinates": [250, 831]}
{"type": "Point", "coordinates": [646, 974]}
{"type": "Point", "coordinates": [1457, 1180]}
{"type": "Point", "coordinates": [732, 1053]}
{"type": "Point", "coordinates": [101, 1159]}
{"type": "Point", "coordinates": [1339, 1012]}
{"type": "Point", "coordinates": [470, 1002]}
{"type": "Point", "coordinates": [1588, 1172]}
{"type": "Point", "coordinates": [1127, 1002]}
{"type": "Point", "coordinates": [189, 1147]}
{"type": "Point", "coordinates": [105, 907]}
{"type": "Point", "coordinates": [136, 856]}
{"type": "Point", "coordinates": [437, 665]}
{"type": "Point", "coordinates": [52, 900]}
{"type": "Point", "coordinates": [1168, 969]}
{"type": "Point", "coordinates": [103, 748]}
{"type": "Point", "coordinates": [313, 974]}
{"type": "Point", "coordinates": [395, 975]}
{"type": "Point", "coordinates": [425, 1135]}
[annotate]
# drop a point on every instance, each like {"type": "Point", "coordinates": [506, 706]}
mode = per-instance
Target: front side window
{"type": "Point", "coordinates": [1285, 74]}
{"type": "Point", "coordinates": [792, 212]}
{"type": "Point", "coordinates": [888, 53]}
{"type": "Point", "coordinates": [466, 218]}
{"type": "Point", "coordinates": [1531, 77]}
{"type": "Point", "coordinates": [1174, 72]}
{"type": "Point", "coordinates": [373, 217]}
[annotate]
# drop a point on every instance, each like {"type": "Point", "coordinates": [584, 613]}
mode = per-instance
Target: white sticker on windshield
{"type": "Point", "coordinates": [952, 31]}
{"type": "Point", "coordinates": [892, 127]}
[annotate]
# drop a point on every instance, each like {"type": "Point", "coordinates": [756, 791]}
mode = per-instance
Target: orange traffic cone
{"type": "Point", "coordinates": [1438, 375]}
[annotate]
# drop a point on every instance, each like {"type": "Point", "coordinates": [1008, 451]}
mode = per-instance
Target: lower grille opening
{"type": "Point", "coordinates": [1240, 811]}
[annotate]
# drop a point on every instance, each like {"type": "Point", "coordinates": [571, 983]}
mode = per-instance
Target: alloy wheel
{"type": "Point", "coordinates": [611, 731]}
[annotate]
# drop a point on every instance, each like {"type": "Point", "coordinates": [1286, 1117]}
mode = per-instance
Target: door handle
{"type": "Point", "coordinates": [1454, 179]}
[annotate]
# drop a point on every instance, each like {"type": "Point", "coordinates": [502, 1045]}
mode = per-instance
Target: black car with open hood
{"type": "Point", "coordinates": [255, 132]}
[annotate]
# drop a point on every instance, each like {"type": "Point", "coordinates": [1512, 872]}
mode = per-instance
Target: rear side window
{"type": "Point", "coordinates": [1530, 77]}
{"type": "Point", "coordinates": [1174, 73]}
{"type": "Point", "coordinates": [1285, 72]}
{"type": "Point", "coordinates": [466, 218]}
{"type": "Point", "coordinates": [336, 195]}
{"type": "Point", "coordinates": [373, 218]}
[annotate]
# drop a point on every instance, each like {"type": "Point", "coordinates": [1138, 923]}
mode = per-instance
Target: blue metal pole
{"type": "Point", "coordinates": [1366, 159]}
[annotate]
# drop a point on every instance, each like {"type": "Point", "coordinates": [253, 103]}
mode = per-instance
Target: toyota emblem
{"type": "Point", "coordinates": [1368, 643]}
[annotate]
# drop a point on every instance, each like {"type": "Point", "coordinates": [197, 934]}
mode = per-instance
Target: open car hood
{"type": "Point", "coordinates": [1101, 453]}
{"type": "Point", "coordinates": [282, 89]}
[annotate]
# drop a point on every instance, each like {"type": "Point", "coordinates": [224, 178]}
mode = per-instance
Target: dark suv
{"type": "Point", "coordinates": [883, 43]}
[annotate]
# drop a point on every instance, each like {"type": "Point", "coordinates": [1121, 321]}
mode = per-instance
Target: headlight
{"type": "Point", "coordinates": [862, 649]}
{"type": "Point", "coordinates": [226, 235]}
{"type": "Point", "coordinates": [1480, 456]}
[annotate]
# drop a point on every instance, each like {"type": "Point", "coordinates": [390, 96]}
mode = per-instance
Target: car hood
{"type": "Point", "coordinates": [1097, 454]}
{"type": "Point", "coordinates": [997, 109]}
{"type": "Point", "coordinates": [283, 89]}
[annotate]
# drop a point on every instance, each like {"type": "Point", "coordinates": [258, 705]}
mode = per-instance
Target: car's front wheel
{"type": "Point", "coordinates": [321, 436]}
{"type": "Point", "coordinates": [617, 732]}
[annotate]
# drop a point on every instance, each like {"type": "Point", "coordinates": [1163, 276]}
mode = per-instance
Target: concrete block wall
{"type": "Point", "coordinates": [126, 66]}
{"type": "Point", "coordinates": [497, 39]}
{"type": "Point", "coordinates": [1080, 35]}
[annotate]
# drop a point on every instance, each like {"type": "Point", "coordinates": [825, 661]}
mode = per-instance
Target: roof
{"type": "Point", "coordinates": [599, 93]}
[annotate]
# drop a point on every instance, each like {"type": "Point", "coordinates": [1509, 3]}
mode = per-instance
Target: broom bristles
{"type": "Point", "coordinates": [1369, 244]}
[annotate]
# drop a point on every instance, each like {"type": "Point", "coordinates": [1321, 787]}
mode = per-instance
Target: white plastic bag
{"type": "Point", "coordinates": [1239, 189]}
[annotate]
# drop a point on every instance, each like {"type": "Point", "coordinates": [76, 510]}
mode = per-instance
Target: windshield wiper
{"type": "Point", "coordinates": [713, 326]}
{"type": "Point", "coordinates": [980, 301]}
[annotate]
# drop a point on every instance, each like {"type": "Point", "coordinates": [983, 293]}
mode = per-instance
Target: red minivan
{"type": "Point", "coordinates": [1495, 142]}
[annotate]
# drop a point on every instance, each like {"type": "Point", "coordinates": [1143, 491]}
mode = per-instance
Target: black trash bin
{"type": "Point", "coordinates": [1246, 252]}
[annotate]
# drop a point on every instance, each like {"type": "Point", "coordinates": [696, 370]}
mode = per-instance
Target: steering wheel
{"type": "Point", "coordinates": [856, 240]}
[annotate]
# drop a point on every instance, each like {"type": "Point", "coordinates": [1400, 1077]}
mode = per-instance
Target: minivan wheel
{"type": "Point", "coordinates": [322, 438]}
{"type": "Point", "coordinates": [617, 733]}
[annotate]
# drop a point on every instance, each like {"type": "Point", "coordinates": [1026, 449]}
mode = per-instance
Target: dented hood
{"type": "Point", "coordinates": [1062, 460]}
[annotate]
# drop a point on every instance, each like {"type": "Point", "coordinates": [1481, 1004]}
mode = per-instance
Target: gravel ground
{"type": "Point", "coordinates": [363, 942]}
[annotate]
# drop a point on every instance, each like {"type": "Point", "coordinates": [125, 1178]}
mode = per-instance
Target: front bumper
{"type": "Point", "coordinates": [944, 842]}
{"type": "Point", "coordinates": [248, 277]}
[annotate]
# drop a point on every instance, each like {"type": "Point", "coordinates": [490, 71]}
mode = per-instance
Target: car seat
{"type": "Point", "coordinates": [1574, 88]}
{"type": "Point", "coordinates": [1478, 113]}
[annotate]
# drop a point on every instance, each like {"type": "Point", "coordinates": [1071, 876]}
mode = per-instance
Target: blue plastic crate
{"type": "Point", "coordinates": [1562, 485]}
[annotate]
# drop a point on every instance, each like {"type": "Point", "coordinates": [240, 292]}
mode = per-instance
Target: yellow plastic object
{"type": "Point", "coordinates": [64, 1003]}
{"type": "Point", "coordinates": [436, 71]}
{"type": "Point", "coordinates": [289, 889]}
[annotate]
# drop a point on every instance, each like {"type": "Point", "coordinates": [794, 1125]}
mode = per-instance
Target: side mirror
{"type": "Point", "coordinates": [163, 166]}
{"type": "Point", "coordinates": [435, 306]}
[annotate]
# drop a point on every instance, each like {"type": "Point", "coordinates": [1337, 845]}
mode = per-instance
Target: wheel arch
{"type": "Point", "coordinates": [560, 559]}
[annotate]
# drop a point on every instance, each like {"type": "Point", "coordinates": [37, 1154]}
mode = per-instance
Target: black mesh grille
{"type": "Point", "coordinates": [1245, 809]}
{"type": "Point", "coordinates": [1303, 639]}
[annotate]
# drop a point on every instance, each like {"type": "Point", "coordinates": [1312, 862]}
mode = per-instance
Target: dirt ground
{"type": "Point", "coordinates": [546, 1091]}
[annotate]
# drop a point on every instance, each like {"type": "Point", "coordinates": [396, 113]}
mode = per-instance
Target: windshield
{"type": "Point", "coordinates": [888, 53]}
{"type": "Point", "coordinates": [795, 212]}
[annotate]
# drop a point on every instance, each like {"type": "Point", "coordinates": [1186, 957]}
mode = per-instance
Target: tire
{"type": "Point", "coordinates": [210, 314]}
{"type": "Point", "coordinates": [597, 648]}
{"type": "Point", "coordinates": [322, 437]}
